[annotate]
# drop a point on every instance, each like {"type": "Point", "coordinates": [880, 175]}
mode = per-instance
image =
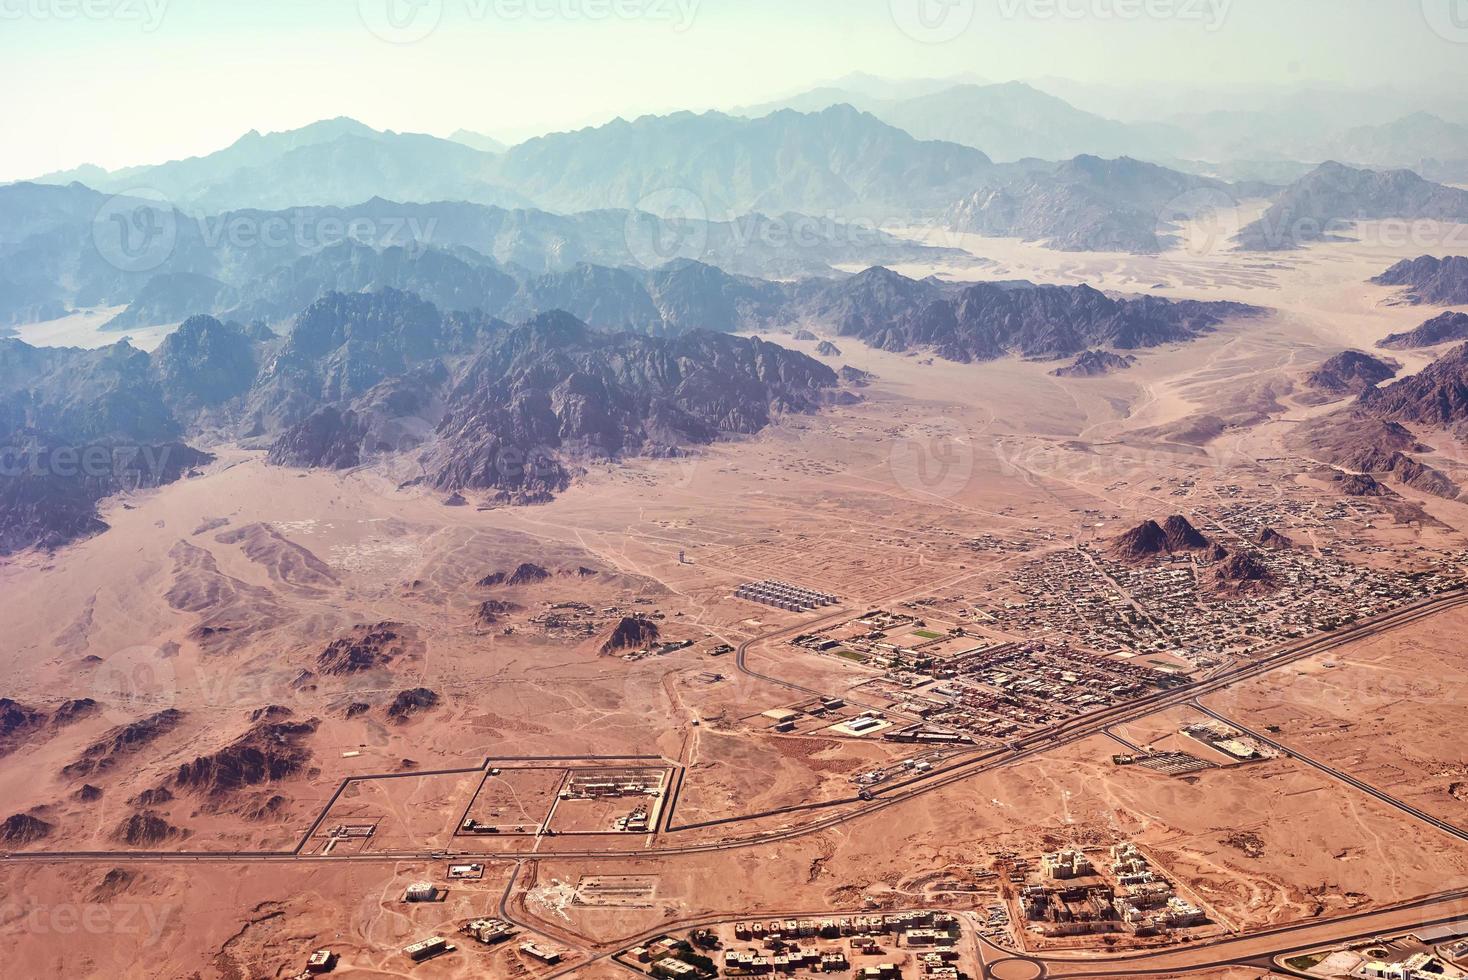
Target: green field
{"type": "Point", "coordinates": [928, 634]}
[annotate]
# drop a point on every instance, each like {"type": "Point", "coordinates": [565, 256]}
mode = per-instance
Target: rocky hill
{"type": "Point", "coordinates": [1150, 538]}
{"type": "Point", "coordinates": [1328, 201]}
{"type": "Point", "coordinates": [553, 390]}
{"type": "Point", "coordinates": [985, 321]}
{"type": "Point", "coordinates": [1095, 364]}
{"type": "Point", "coordinates": [1088, 204]}
{"type": "Point", "coordinates": [1437, 395]}
{"type": "Point", "coordinates": [1350, 372]}
{"type": "Point", "coordinates": [1442, 329]}
{"type": "Point", "coordinates": [1430, 280]}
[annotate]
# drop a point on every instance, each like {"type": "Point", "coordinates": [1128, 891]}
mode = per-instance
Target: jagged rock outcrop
{"type": "Point", "coordinates": [1150, 538]}
{"type": "Point", "coordinates": [1437, 395]}
{"type": "Point", "coordinates": [986, 321]}
{"type": "Point", "coordinates": [73, 710]}
{"type": "Point", "coordinates": [145, 829]}
{"type": "Point", "coordinates": [855, 377]}
{"type": "Point", "coordinates": [1274, 541]}
{"type": "Point", "coordinates": [1095, 364]}
{"type": "Point", "coordinates": [409, 704]}
{"type": "Point", "coordinates": [1361, 485]}
{"type": "Point", "coordinates": [326, 439]}
{"type": "Point", "coordinates": [206, 364]}
{"type": "Point", "coordinates": [1442, 329]}
{"type": "Point", "coordinates": [1350, 372]}
{"type": "Point", "coordinates": [526, 573]}
{"type": "Point", "coordinates": [20, 829]}
{"type": "Point", "coordinates": [1328, 201]}
{"type": "Point", "coordinates": [268, 752]}
{"type": "Point", "coordinates": [1240, 572]}
{"type": "Point", "coordinates": [1182, 536]}
{"type": "Point", "coordinates": [491, 611]}
{"type": "Point", "coordinates": [121, 742]}
{"type": "Point", "coordinates": [367, 648]}
{"type": "Point", "coordinates": [1430, 280]}
{"type": "Point", "coordinates": [17, 722]}
{"type": "Point", "coordinates": [631, 633]}
{"type": "Point", "coordinates": [827, 349]}
{"type": "Point", "coordinates": [1090, 204]}
{"type": "Point", "coordinates": [552, 391]}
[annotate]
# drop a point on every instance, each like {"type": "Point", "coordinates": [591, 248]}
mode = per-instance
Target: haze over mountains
{"type": "Point", "coordinates": [346, 294]}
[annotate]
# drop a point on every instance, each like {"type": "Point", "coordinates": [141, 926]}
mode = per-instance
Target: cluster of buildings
{"type": "Point", "coordinates": [1168, 605]}
{"type": "Point", "coordinates": [604, 784]}
{"type": "Point", "coordinates": [839, 945]}
{"type": "Point", "coordinates": [1231, 743]}
{"type": "Point", "coordinates": [783, 595]}
{"type": "Point", "coordinates": [1074, 897]}
{"type": "Point", "coordinates": [488, 932]}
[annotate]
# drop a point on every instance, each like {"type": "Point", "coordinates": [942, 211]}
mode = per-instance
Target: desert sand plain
{"type": "Point", "coordinates": [215, 603]}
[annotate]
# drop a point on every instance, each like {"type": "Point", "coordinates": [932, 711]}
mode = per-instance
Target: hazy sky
{"type": "Point", "coordinates": [117, 82]}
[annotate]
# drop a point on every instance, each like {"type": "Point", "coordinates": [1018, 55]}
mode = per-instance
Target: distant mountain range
{"type": "Point", "coordinates": [57, 254]}
{"type": "Point", "coordinates": [1330, 199]}
{"type": "Point", "coordinates": [838, 160]}
{"type": "Point", "coordinates": [1009, 122]}
{"type": "Point", "coordinates": [332, 162]}
{"type": "Point", "coordinates": [1090, 204]}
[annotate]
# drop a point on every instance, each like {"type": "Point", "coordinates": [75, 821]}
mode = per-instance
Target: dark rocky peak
{"type": "Point", "coordinates": [1095, 364]}
{"type": "Point", "coordinates": [1274, 541]}
{"type": "Point", "coordinates": [20, 829]}
{"type": "Point", "coordinates": [206, 363]}
{"type": "Point", "coordinates": [270, 751]}
{"type": "Point", "coordinates": [409, 704]}
{"type": "Point", "coordinates": [366, 648]}
{"type": "Point", "coordinates": [1445, 328]}
{"type": "Point", "coordinates": [1430, 280]}
{"type": "Point", "coordinates": [631, 633]}
{"type": "Point", "coordinates": [1182, 536]}
{"type": "Point", "coordinates": [1351, 372]}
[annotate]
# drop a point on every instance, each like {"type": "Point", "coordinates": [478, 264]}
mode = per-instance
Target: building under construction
{"type": "Point", "coordinates": [783, 595]}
